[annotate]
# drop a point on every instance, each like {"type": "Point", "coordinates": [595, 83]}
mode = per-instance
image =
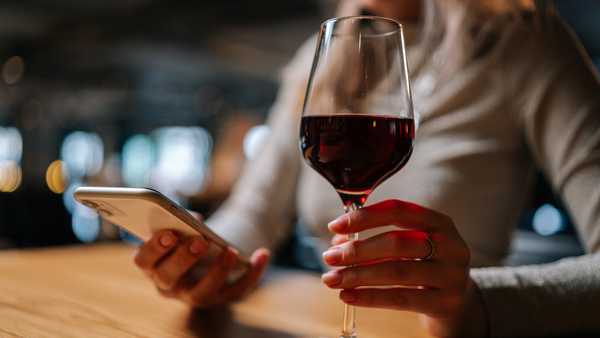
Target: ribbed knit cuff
{"type": "Point", "coordinates": [504, 304]}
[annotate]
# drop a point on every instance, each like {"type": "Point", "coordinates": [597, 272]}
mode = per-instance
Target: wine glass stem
{"type": "Point", "coordinates": [349, 329]}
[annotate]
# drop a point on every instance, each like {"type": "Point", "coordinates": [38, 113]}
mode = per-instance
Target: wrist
{"type": "Point", "coordinates": [473, 322]}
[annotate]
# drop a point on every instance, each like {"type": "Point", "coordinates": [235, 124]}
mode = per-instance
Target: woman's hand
{"type": "Point", "coordinates": [424, 266]}
{"type": "Point", "coordinates": [168, 257]}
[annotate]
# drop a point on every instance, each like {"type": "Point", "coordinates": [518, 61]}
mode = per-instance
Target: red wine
{"type": "Point", "coordinates": [354, 152]}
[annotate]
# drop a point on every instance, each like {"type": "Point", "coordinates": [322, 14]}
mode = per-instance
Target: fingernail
{"type": "Point", "coordinates": [262, 256]}
{"type": "Point", "coordinates": [332, 256]}
{"type": "Point", "coordinates": [234, 251]}
{"type": "Point", "coordinates": [197, 246]}
{"type": "Point", "coordinates": [167, 239]}
{"type": "Point", "coordinates": [337, 224]}
{"type": "Point", "coordinates": [332, 278]}
{"type": "Point", "coordinates": [348, 296]}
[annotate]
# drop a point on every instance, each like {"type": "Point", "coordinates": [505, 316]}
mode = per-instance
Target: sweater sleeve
{"type": "Point", "coordinates": [542, 300]}
{"type": "Point", "coordinates": [560, 115]}
{"type": "Point", "coordinates": [260, 209]}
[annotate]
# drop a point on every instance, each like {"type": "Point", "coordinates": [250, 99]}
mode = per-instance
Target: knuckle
{"type": "Point", "coordinates": [349, 277]}
{"type": "Point", "coordinates": [396, 204]}
{"type": "Point", "coordinates": [351, 251]}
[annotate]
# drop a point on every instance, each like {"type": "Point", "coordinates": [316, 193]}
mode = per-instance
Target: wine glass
{"type": "Point", "coordinates": [357, 124]}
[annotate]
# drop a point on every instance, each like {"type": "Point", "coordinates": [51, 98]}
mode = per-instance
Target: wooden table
{"type": "Point", "coordinates": [95, 291]}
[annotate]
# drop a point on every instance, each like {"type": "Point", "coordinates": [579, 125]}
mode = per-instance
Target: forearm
{"type": "Point", "coordinates": [542, 300]}
{"type": "Point", "coordinates": [240, 232]}
{"type": "Point", "coordinates": [259, 211]}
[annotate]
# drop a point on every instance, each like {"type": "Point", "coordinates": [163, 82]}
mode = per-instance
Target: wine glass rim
{"type": "Point", "coordinates": [397, 30]}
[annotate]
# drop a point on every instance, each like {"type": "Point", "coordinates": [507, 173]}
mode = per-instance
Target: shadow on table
{"type": "Point", "coordinates": [221, 324]}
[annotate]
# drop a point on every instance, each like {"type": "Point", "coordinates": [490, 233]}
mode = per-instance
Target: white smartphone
{"type": "Point", "coordinates": [143, 211]}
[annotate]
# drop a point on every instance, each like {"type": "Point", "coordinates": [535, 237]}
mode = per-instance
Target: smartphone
{"type": "Point", "coordinates": [143, 211]}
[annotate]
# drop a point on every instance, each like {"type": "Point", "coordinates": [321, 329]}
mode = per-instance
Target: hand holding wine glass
{"type": "Point", "coordinates": [357, 130]}
{"type": "Point", "coordinates": [423, 267]}
{"type": "Point", "coordinates": [357, 127]}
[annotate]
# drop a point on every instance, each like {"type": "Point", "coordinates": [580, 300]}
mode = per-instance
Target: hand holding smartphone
{"type": "Point", "coordinates": [144, 212]}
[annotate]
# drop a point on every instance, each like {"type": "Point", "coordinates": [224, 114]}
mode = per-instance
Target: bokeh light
{"type": "Point", "coordinates": [138, 158]}
{"type": "Point", "coordinates": [548, 220]}
{"type": "Point", "coordinates": [11, 144]}
{"type": "Point", "coordinates": [13, 70]}
{"type": "Point", "coordinates": [83, 154]}
{"type": "Point", "coordinates": [255, 139]}
{"type": "Point", "coordinates": [69, 196]}
{"type": "Point", "coordinates": [56, 177]}
{"type": "Point", "coordinates": [183, 158]}
{"type": "Point", "coordinates": [85, 223]}
{"type": "Point", "coordinates": [10, 176]}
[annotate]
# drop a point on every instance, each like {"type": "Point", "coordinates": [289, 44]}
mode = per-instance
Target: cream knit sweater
{"type": "Point", "coordinates": [533, 101]}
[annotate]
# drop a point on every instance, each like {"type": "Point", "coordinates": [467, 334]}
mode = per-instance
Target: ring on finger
{"type": "Point", "coordinates": [431, 252]}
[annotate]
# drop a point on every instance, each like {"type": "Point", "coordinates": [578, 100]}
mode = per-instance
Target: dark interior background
{"type": "Point", "coordinates": [116, 92]}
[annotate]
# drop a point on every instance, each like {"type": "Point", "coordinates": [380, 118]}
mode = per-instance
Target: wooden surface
{"type": "Point", "coordinates": [95, 291]}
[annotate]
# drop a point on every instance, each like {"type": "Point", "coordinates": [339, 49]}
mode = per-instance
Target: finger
{"type": "Point", "coordinates": [149, 253]}
{"type": "Point", "coordinates": [169, 271]}
{"type": "Point", "coordinates": [431, 302]}
{"type": "Point", "coordinates": [204, 292]}
{"type": "Point", "coordinates": [258, 262]}
{"type": "Point", "coordinates": [391, 212]}
{"type": "Point", "coordinates": [390, 245]}
{"type": "Point", "coordinates": [339, 239]}
{"type": "Point", "coordinates": [395, 273]}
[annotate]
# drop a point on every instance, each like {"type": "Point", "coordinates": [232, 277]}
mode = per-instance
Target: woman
{"type": "Point", "coordinates": [500, 89]}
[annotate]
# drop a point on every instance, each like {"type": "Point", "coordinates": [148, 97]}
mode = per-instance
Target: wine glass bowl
{"type": "Point", "coordinates": [359, 67]}
{"type": "Point", "coordinates": [356, 152]}
{"type": "Point", "coordinates": [357, 126]}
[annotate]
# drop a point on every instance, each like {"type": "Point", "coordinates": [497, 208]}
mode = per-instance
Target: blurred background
{"type": "Point", "coordinates": [165, 94]}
